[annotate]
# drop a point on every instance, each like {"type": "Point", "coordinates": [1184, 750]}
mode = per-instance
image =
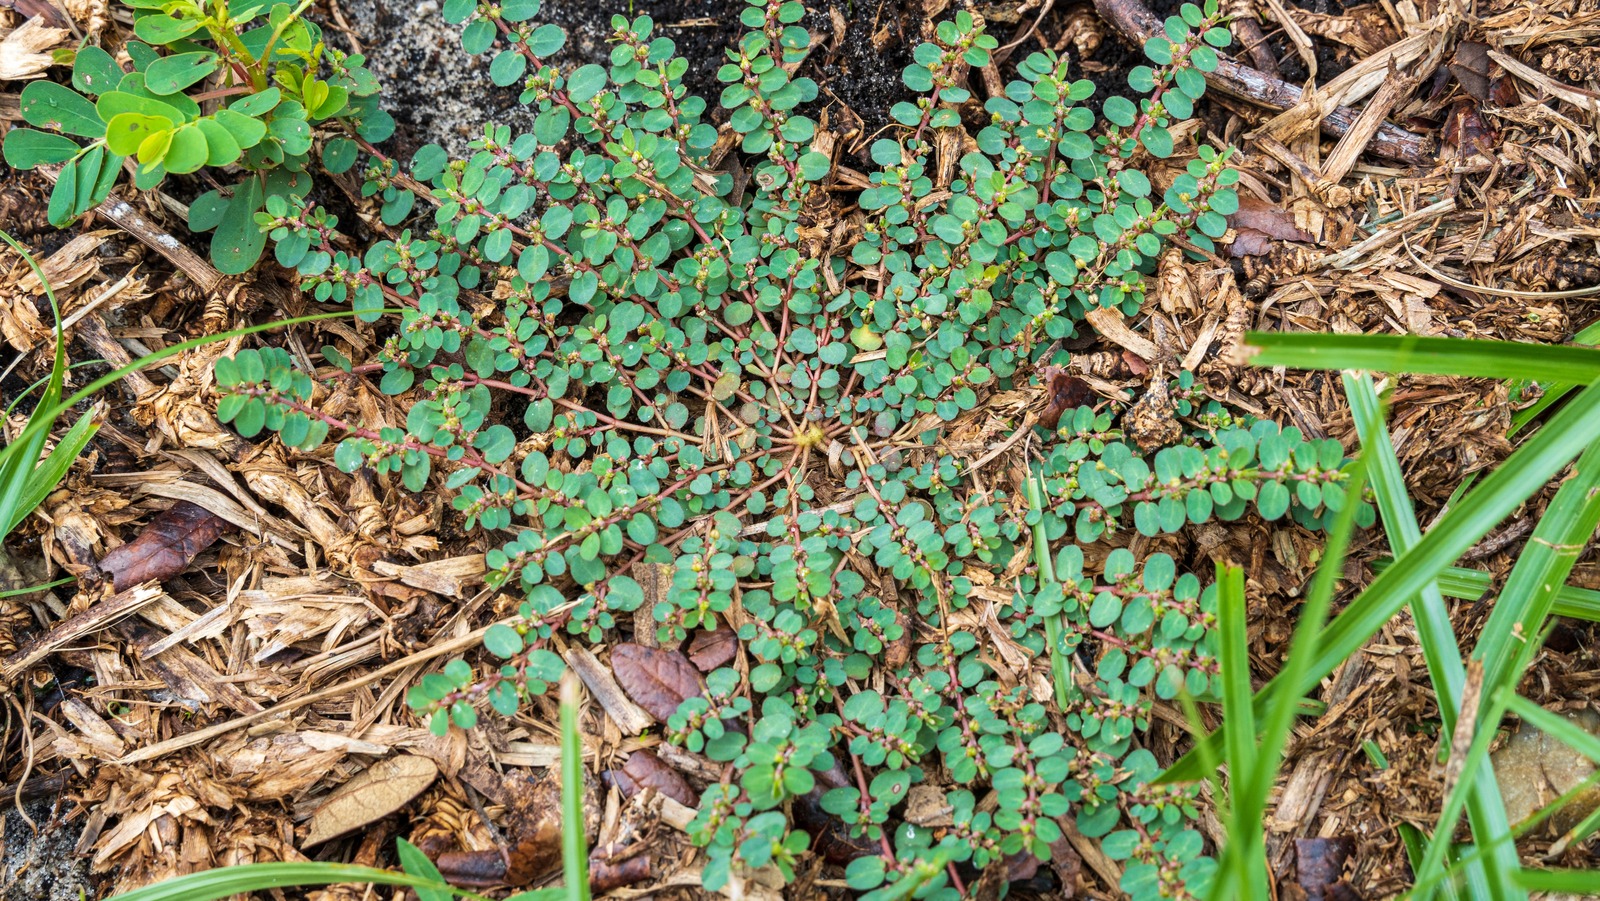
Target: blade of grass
{"type": "Point", "coordinates": [1471, 584]}
{"type": "Point", "coordinates": [1564, 730]}
{"type": "Point", "coordinates": [1522, 474]}
{"type": "Point", "coordinates": [1485, 808]}
{"type": "Point", "coordinates": [35, 589]}
{"type": "Point", "coordinates": [1431, 356]}
{"type": "Point", "coordinates": [574, 853]}
{"type": "Point", "coordinates": [1243, 868]}
{"type": "Point", "coordinates": [1522, 610]}
{"type": "Point", "coordinates": [49, 473]}
{"type": "Point", "coordinates": [38, 424]}
{"type": "Point", "coordinates": [224, 882]}
{"type": "Point", "coordinates": [1252, 767]}
{"type": "Point", "coordinates": [1577, 882]}
{"type": "Point", "coordinates": [1060, 677]}
{"type": "Point", "coordinates": [1553, 392]}
{"type": "Point", "coordinates": [17, 468]}
{"type": "Point", "coordinates": [1542, 568]}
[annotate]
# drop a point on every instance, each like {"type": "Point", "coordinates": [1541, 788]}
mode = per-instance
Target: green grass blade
{"type": "Point", "coordinates": [22, 457]}
{"type": "Point", "coordinates": [50, 472]}
{"type": "Point", "coordinates": [1242, 869]}
{"type": "Point", "coordinates": [1516, 628]}
{"type": "Point", "coordinates": [1553, 391]}
{"type": "Point", "coordinates": [1061, 677]}
{"type": "Point", "coordinates": [1431, 356]}
{"type": "Point", "coordinates": [226, 881]}
{"type": "Point", "coordinates": [38, 427]}
{"type": "Point", "coordinates": [1522, 474]}
{"type": "Point", "coordinates": [1472, 584]}
{"type": "Point", "coordinates": [1485, 808]}
{"type": "Point", "coordinates": [1564, 730]}
{"type": "Point", "coordinates": [35, 589]}
{"type": "Point", "coordinates": [1577, 882]}
{"type": "Point", "coordinates": [574, 850]}
{"type": "Point", "coordinates": [1546, 560]}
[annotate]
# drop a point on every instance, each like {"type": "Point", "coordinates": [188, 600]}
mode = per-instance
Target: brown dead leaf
{"type": "Point", "coordinates": [711, 649]}
{"type": "Point", "coordinates": [657, 680]}
{"type": "Point", "coordinates": [1320, 865]}
{"type": "Point", "coordinates": [1249, 242]}
{"type": "Point", "coordinates": [606, 874]}
{"type": "Point", "coordinates": [1465, 134]}
{"type": "Point", "coordinates": [1271, 220]}
{"type": "Point", "coordinates": [474, 869]}
{"type": "Point", "coordinates": [165, 547]}
{"type": "Point", "coordinates": [380, 790]}
{"type": "Point", "coordinates": [1068, 865]}
{"type": "Point", "coordinates": [1063, 392]}
{"type": "Point", "coordinates": [645, 770]}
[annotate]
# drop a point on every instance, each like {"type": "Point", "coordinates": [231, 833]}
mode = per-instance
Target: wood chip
{"type": "Point", "coordinates": [629, 717]}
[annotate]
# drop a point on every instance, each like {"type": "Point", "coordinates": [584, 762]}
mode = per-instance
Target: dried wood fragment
{"type": "Point", "coordinates": [1134, 20]}
{"type": "Point", "coordinates": [1114, 326]}
{"type": "Point", "coordinates": [448, 577]}
{"type": "Point", "coordinates": [100, 616]}
{"type": "Point", "coordinates": [629, 717]}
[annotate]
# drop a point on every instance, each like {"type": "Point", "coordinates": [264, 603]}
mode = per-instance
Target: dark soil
{"type": "Point", "coordinates": [437, 93]}
{"type": "Point", "coordinates": [42, 865]}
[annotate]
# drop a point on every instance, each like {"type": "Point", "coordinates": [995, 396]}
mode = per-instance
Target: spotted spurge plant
{"type": "Point", "coordinates": [621, 351]}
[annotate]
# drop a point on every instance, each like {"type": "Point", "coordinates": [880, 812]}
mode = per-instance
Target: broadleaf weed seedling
{"type": "Point", "coordinates": [236, 87]}
{"type": "Point", "coordinates": [617, 351]}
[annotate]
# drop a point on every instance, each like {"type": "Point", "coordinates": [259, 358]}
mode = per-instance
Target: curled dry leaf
{"type": "Point", "coordinates": [1266, 218]}
{"type": "Point", "coordinates": [1068, 866]}
{"type": "Point", "coordinates": [380, 790]}
{"type": "Point", "coordinates": [1247, 242]}
{"type": "Point", "coordinates": [165, 547]}
{"type": "Point", "coordinates": [831, 838]}
{"type": "Point", "coordinates": [712, 648]}
{"type": "Point", "coordinates": [606, 874]}
{"type": "Point", "coordinates": [1320, 865]}
{"type": "Point", "coordinates": [645, 770]}
{"type": "Point", "coordinates": [1465, 134]}
{"type": "Point", "coordinates": [657, 680]}
{"type": "Point", "coordinates": [472, 869]}
{"type": "Point", "coordinates": [1063, 392]}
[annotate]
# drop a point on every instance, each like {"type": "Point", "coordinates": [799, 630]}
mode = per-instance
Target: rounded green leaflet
{"type": "Point", "coordinates": [163, 29]}
{"type": "Point", "coordinates": [511, 10]}
{"type": "Point", "coordinates": [26, 148]}
{"type": "Point", "coordinates": [546, 40]}
{"type": "Point", "coordinates": [1158, 141]}
{"type": "Point", "coordinates": [221, 148]}
{"type": "Point", "coordinates": [257, 104]}
{"type": "Point", "coordinates": [1273, 500]}
{"type": "Point", "coordinates": [115, 103]}
{"type": "Point", "coordinates": [126, 132]}
{"type": "Point", "coordinates": [171, 74]}
{"type": "Point", "coordinates": [49, 105]}
{"type": "Point", "coordinates": [339, 154]}
{"type": "Point", "coordinates": [187, 151]}
{"type": "Point", "coordinates": [94, 71]}
{"type": "Point", "coordinates": [508, 67]}
{"type": "Point", "coordinates": [237, 243]}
